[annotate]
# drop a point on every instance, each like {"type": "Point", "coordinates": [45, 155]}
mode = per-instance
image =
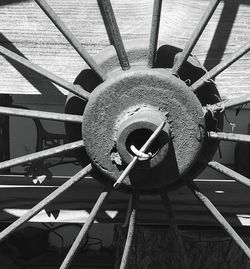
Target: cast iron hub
{"type": "Point", "coordinates": [123, 112]}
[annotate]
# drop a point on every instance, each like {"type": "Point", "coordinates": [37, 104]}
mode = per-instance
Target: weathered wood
{"type": "Point", "coordinates": [26, 29]}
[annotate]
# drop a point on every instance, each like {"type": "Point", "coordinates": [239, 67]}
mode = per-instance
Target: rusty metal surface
{"type": "Point", "coordinates": [40, 114]}
{"type": "Point", "coordinates": [114, 32]}
{"type": "Point", "coordinates": [123, 95]}
{"type": "Point", "coordinates": [138, 56]}
{"type": "Point", "coordinates": [155, 25]}
{"type": "Point", "coordinates": [229, 137]}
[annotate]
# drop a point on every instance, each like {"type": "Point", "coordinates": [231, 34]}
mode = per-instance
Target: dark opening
{"type": "Point", "coordinates": [138, 138]}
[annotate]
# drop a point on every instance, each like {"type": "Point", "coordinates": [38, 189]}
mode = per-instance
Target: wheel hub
{"type": "Point", "coordinates": [124, 111]}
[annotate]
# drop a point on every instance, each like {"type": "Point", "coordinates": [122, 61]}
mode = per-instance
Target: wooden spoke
{"type": "Point", "coordinates": [19, 112]}
{"type": "Point", "coordinates": [229, 172]}
{"type": "Point", "coordinates": [229, 137]}
{"type": "Point", "coordinates": [130, 234]}
{"type": "Point", "coordinates": [76, 89]}
{"type": "Point", "coordinates": [42, 204]}
{"type": "Point", "coordinates": [236, 101]}
{"type": "Point", "coordinates": [173, 225]}
{"type": "Point", "coordinates": [84, 230]}
{"type": "Point", "coordinates": [143, 149]}
{"type": "Point", "coordinates": [221, 66]}
{"type": "Point", "coordinates": [208, 204]}
{"type": "Point", "coordinates": [41, 154]}
{"type": "Point", "coordinates": [195, 36]}
{"type": "Point", "coordinates": [154, 32]}
{"type": "Point", "coordinates": [71, 38]}
{"type": "Point", "coordinates": [114, 32]}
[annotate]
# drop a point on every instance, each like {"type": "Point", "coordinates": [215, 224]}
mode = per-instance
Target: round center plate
{"type": "Point", "coordinates": [125, 110]}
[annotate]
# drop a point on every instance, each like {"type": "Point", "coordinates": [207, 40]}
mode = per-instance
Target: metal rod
{"type": "Point", "coordinates": [229, 137]}
{"type": "Point", "coordinates": [236, 101]}
{"type": "Point", "coordinates": [221, 66]}
{"type": "Point", "coordinates": [195, 36]}
{"type": "Point", "coordinates": [154, 32]}
{"type": "Point", "coordinates": [41, 154]}
{"type": "Point", "coordinates": [42, 204]}
{"type": "Point", "coordinates": [128, 213]}
{"type": "Point", "coordinates": [71, 38]}
{"type": "Point", "coordinates": [114, 32]}
{"type": "Point", "coordinates": [70, 255]}
{"type": "Point", "coordinates": [76, 89]}
{"type": "Point", "coordinates": [19, 112]}
{"type": "Point", "coordinates": [143, 149]}
{"type": "Point", "coordinates": [173, 225]}
{"type": "Point", "coordinates": [131, 231]}
{"type": "Point", "coordinates": [229, 172]}
{"type": "Point", "coordinates": [208, 204]}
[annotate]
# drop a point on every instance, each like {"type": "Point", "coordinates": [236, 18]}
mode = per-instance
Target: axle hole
{"type": "Point", "coordinates": [138, 138]}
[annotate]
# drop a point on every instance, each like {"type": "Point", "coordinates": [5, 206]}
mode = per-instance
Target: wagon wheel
{"type": "Point", "coordinates": [143, 129]}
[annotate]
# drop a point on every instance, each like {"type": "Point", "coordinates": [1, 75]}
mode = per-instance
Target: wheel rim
{"type": "Point", "coordinates": [206, 103]}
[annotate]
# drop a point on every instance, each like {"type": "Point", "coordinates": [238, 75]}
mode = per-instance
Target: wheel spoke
{"type": "Point", "coordinates": [154, 32]}
{"type": "Point", "coordinates": [221, 66]}
{"type": "Point", "coordinates": [172, 223]}
{"type": "Point", "coordinates": [19, 112]}
{"type": "Point", "coordinates": [71, 38]}
{"type": "Point", "coordinates": [129, 209]}
{"type": "Point", "coordinates": [229, 172]}
{"type": "Point", "coordinates": [76, 89]}
{"type": "Point", "coordinates": [195, 36]}
{"type": "Point", "coordinates": [113, 32]}
{"type": "Point", "coordinates": [229, 137]}
{"type": "Point", "coordinates": [208, 204]}
{"type": "Point", "coordinates": [42, 204]}
{"type": "Point", "coordinates": [84, 230]}
{"type": "Point", "coordinates": [41, 154]}
{"type": "Point", "coordinates": [130, 234]}
{"type": "Point", "coordinates": [142, 150]}
{"type": "Point", "coordinates": [236, 101]}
